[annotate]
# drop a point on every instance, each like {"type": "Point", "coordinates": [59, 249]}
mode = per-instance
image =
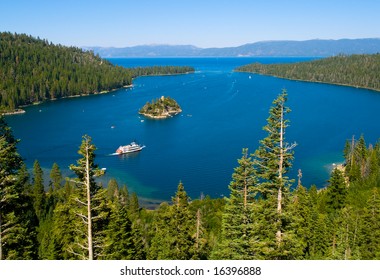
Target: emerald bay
{"type": "Point", "coordinates": [222, 112]}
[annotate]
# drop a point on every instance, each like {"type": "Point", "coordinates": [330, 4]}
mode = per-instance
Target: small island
{"type": "Point", "coordinates": [161, 108]}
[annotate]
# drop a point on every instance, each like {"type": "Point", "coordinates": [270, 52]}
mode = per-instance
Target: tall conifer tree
{"type": "Point", "coordinates": [336, 191]}
{"type": "Point", "coordinates": [39, 198]}
{"type": "Point", "coordinates": [272, 160]}
{"type": "Point", "coordinates": [173, 229]}
{"type": "Point", "coordinates": [370, 232]}
{"type": "Point", "coordinates": [17, 219]}
{"type": "Point", "coordinates": [238, 233]}
{"type": "Point", "coordinates": [182, 223]}
{"type": "Point", "coordinates": [55, 177]}
{"type": "Point", "coordinates": [90, 199]}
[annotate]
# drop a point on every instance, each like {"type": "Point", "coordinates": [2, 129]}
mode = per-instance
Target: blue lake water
{"type": "Point", "coordinates": [223, 112]}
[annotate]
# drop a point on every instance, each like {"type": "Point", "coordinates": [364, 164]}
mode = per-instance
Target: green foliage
{"type": "Point", "coordinates": [55, 178]}
{"type": "Point", "coordinates": [119, 243]}
{"type": "Point", "coordinates": [172, 229]}
{"type": "Point", "coordinates": [272, 161]}
{"type": "Point", "coordinates": [34, 70]}
{"type": "Point", "coordinates": [161, 70]}
{"type": "Point", "coordinates": [337, 191]}
{"type": "Point", "coordinates": [369, 241]}
{"type": "Point", "coordinates": [161, 107]}
{"type": "Point", "coordinates": [238, 232]}
{"type": "Point", "coordinates": [90, 204]}
{"type": "Point", "coordinates": [270, 171]}
{"type": "Point", "coordinates": [38, 191]}
{"type": "Point", "coordinates": [17, 217]}
{"type": "Point", "coordinates": [354, 70]}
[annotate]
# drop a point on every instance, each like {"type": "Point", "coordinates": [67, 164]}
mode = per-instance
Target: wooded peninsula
{"type": "Point", "coordinates": [33, 70]}
{"type": "Point", "coordinates": [361, 71]}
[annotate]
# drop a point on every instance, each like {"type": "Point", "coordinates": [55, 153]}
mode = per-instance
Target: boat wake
{"type": "Point", "coordinates": [113, 154]}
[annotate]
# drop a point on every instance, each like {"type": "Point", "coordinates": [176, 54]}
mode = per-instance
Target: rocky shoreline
{"type": "Point", "coordinates": [164, 115]}
{"type": "Point", "coordinates": [15, 112]}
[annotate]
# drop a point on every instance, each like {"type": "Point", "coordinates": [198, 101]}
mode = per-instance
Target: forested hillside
{"type": "Point", "coordinates": [33, 70]}
{"type": "Point", "coordinates": [266, 216]}
{"type": "Point", "coordinates": [355, 70]}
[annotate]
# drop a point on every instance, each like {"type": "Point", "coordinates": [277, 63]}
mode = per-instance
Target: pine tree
{"type": "Point", "coordinates": [89, 198]}
{"type": "Point", "coordinates": [272, 160]}
{"type": "Point", "coordinates": [17, 219]}
{"type": "Point", "coordinates": [200, 240]}
{"type": "Point", "coordinates": [336, 191]}
{"type": "Point", "coordinates": [134, 206]}
{"type": "Point", "coordinates": [369, 242]}
{"type": "Point", "coordinates": [373, 160]}
{"type": "Point", "coordinates": [301, 212]}
{"type": "Point", "coordinates": [172, 229]}
{"type": "Point", "coordinates": [345, 232]}
{"type": "Point", "coordinates": [181, 224]}
{"type": "Point", "coordinates": [55, 192]}
{"type": "Point", "coordinates": [113, 190]}
{"type": "Point", "coordinates": [356, 155]}
{"type": "Point", "coordinates": [318, 241]}
{"type": "Point", "coordinates": [122, 236]}
{"type": "Point", "coordinates": [48, 248]}
{"type": "Point", "coordinates": [361, 153]}
{"type": "Point", "coordinates": [238, 233]}
{"type": "Point", "coordinates": [160, 247]}
{"type": "Point", "coordinates": [39, 198]}
{"type": "Point", "coordinates": [119, 243]}
{"type": "Point", "coordinates": [55, 177]}
{"type": "Point", "coordinates": [64, 228]}
{"type": "Point", "coordinates": [124, 196]}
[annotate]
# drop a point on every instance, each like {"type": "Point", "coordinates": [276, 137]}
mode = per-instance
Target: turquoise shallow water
{"type": "Point", "coordinates": [223, 112]}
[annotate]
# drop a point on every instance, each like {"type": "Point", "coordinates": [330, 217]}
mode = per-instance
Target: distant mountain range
{"type": "Point", "coordinates": [265, 48]}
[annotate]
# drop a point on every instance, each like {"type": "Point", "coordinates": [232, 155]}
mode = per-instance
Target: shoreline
{"type": "Point", "coordinates": [310, 81]}
{"type": "Point", "coordinates": [14, 112]}
{"type": "Point", "coordinates": [168, 115]}
{"type": "Point", "coordinates": [21, 111]}
{"type": "Point", "coordinates": [158, 75]}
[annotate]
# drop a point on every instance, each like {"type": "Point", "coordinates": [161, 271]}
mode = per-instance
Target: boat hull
{"type": "Point", "coordinates": [121, 152]}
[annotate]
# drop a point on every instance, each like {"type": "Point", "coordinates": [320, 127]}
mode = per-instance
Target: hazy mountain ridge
{"type": "Point", "coordinates": [314, 47]}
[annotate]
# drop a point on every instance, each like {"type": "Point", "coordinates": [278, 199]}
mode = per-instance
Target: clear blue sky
{"type": "Point", "coordinates": [203, 23]}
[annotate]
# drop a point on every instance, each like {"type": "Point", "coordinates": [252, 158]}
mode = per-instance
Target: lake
{"type": "Point", "coordinates": [223, 112]}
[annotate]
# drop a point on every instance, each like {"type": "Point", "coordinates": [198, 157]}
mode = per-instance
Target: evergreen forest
{"type": "Point", "coordinates": [267, 215]}
{"type": "Point", "coordinates": [33, 70]}
{"type": "Point", "coordinates": [361, 71]}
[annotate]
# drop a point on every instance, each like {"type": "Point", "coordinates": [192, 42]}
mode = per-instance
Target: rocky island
{"type": "Point", "coordinates": [161, 108]}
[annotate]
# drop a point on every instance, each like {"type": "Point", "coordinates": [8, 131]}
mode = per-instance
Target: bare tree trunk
{"type": "Point", "coordinates": [245, 190]}
{"type": "Point", "coordinates": [352, 150]}
{"type": "Point", "coordinates": [89, 224]}
{"type": "Point", "coordinates": [299, 178]}
{"type": "Point", "coordinates": [280, 167]}
{"type": "Point", "coordinates": [198, 228]}
{"type": "Point", "coordinates": [245, 193]}
{"type": "Point", "coordinates": [347, 251]}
